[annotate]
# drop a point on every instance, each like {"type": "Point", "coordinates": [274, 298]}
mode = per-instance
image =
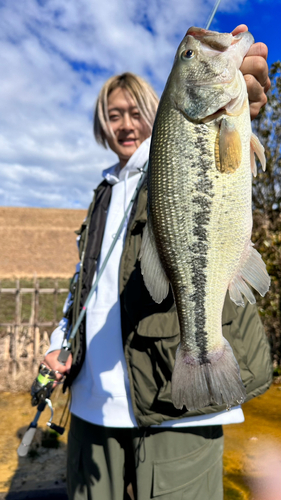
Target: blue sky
{"type": "Point", "coordinates": [55, 56]}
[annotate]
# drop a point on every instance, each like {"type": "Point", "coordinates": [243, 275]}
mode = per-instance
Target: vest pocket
{"type": "Point", "coordinates": [191, 476]}
{"type": "Point", "coordinates": [160, 325]}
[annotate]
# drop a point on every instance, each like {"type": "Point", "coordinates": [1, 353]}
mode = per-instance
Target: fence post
{"type": "Point", "coordinates": [16, 331]}
{"type": "Point", "coordinates": [36, 334]}
{"type": "Point", "coordinates": [21, 349]}
{"type": "Point", "coordinates": [55, 302]}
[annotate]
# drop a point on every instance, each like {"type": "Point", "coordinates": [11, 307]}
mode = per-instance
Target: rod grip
{"type": "Point", "coordinates": [63, 356]}
{"type": "Point", "coordinates": [28, 436]}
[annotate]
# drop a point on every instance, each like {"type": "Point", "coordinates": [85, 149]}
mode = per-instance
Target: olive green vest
{"type": "Point", "coordinates": [151, 333]}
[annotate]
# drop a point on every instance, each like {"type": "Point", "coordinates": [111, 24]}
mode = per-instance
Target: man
{"type": "Point", "coordinates": [125, 431]}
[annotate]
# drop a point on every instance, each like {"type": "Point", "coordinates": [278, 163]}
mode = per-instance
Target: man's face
{"type": "Point", "coordinates": [129, 128]}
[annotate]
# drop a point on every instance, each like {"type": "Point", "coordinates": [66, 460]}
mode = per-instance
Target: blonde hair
{"type": "Point", "coordinates": [143, 94]}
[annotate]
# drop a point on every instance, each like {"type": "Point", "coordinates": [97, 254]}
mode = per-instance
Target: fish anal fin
{"type": "Point", "coordinates": [235, 295]}
{"type": "Point", "coordinates": [258, 149]}
{"type": "Point", "coordinates": [229, 148]}
{"type": "Point", "coordinates": [252, 271]}
{"type": "Point", "coordinates": [154, 276]}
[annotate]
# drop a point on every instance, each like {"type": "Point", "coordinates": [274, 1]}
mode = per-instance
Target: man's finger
{"type": "Point", "coordinates": [68, 363]}
{"type": "Point", "coordinates": [256, 66]}
{"type": "Point", "coordinates": [268, 85]}
{"type": "Point", "coordinates": [255, 108]}
{"type": "Point", "coordinates": [258, 49]}
{"type": "Point", "coordinates": [57, 367]}
{"type": "Point", "coordinates": [240, 29]}
{"type": "Point", "coordinates": [255, 90]}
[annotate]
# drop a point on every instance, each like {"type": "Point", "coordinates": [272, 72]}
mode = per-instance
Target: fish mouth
{"type": "Point", "coordinates": [217, 41]}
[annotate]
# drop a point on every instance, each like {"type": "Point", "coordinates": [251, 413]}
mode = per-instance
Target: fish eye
{"type": "Point", "coordinates": [188, 54]}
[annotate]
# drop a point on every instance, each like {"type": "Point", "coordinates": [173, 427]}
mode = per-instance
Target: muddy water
{"type": "Point", "coordinates": [45, 466]}
{"type": "Point", "coordinates": [252, 459]}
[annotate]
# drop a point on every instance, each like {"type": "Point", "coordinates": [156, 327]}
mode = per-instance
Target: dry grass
{"type": "Point", "coordinates": [38, 241]}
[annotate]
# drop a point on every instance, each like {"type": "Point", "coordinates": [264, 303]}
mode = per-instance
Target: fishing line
{"type": "Point", "coordinates": [212, 14]}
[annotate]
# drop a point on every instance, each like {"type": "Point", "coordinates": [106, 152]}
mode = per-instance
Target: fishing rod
{"type": "Point", "coordinates": [212, 14]}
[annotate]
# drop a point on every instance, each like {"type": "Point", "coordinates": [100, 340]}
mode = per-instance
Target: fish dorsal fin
{"type": "Point", "coordinates": [229, 154]}
{"type": "Point", "coordinates": [252, 270]}
{"type": "Point", "coordinates": [257, 147]}
{"type": "Point", "coordinates": [152, 270]}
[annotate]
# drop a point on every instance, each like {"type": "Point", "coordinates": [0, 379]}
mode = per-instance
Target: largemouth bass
{"type": "Point", "coordinates": [198, 235]}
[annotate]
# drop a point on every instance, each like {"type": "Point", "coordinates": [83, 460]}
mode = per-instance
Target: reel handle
{"type": "Point", "coordinates": [57, 428]}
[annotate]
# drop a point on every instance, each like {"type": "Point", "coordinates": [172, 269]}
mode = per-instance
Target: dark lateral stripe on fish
{"type": "Point", "coordinates": [201, 219]}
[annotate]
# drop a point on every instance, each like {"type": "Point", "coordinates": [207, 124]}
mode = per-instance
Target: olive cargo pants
{"type": "Point", "coordinates": [167, 464]}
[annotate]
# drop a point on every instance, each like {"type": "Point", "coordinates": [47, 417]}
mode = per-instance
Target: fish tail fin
{"type": "Point", "coordinates": [197, 384]}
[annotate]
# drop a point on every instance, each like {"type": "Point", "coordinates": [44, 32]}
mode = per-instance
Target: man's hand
{"type": "Point", "coordinates": [51, 361]}
{"type": "Point", "coordinates": [255, 70]}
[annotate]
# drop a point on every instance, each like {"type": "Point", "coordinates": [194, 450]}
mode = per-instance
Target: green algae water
{"type": "Point", "coordinates": [252, 457]}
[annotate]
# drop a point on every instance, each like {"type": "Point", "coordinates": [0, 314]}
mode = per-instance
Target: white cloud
{"type": "Point", "coordinates": [48, 156]}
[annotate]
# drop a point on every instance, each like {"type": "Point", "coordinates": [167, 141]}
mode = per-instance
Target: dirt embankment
{"type": "Point", "coordinates": [38, 241]}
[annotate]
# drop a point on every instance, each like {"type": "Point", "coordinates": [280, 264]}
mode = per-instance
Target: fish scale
{"type": "Point", "coordinates": [197, 238]}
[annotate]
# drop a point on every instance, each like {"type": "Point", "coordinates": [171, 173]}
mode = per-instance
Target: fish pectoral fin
{"type": "Point", "coordinates": [229, 147]}
{"type": "Point", "coordinates": [152, 270]}
{"type": "Point", "coordinates": [252, 271]}
{"type": "Point", "coordinates": [257, 147]}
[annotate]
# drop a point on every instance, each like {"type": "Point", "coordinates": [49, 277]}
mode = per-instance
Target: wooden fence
{"type": "Point", "coordinates": [23, 343]}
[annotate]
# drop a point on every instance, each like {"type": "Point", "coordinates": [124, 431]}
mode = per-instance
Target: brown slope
{"type": "Point", "coordinates": [38, 241]}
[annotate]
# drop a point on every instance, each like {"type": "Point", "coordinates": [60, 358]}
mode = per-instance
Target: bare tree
{"type": "Point", "coordinates": [267, 208]}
